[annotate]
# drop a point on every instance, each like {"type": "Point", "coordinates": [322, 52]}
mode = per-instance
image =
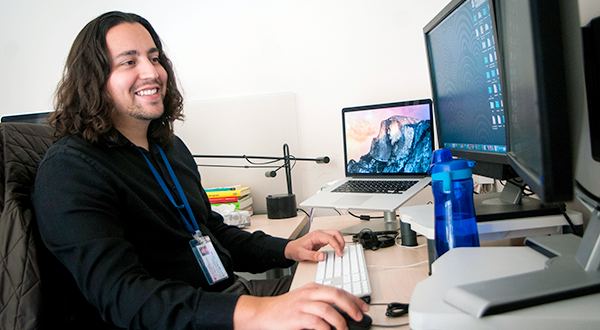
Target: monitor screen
{"type": "Point", "coordinates": [466, 86]}
{"type": "Point", "coordinates": [388, 139]}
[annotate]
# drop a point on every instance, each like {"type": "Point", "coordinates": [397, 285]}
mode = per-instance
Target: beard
{"type": "Point", "coordinates": [138, 111]}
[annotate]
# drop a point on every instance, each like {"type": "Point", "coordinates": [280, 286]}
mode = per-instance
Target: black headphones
{"type": "Point", "coordinates": [375, 240]}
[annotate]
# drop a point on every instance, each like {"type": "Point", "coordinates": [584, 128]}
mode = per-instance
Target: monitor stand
{"type": "Point", "coordinates": [574, 272]}
{"type": "Point", "coordinates": [390, 222]}
{"type": "Point", "coordinates": [510, 204]}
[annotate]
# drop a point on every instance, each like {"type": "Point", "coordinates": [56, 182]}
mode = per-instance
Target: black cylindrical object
{"type": "Point", "coordinates": [281, 206]}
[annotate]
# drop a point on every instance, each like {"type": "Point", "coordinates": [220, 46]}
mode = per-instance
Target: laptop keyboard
{"type": "Point", "coordinates": [375, 186]}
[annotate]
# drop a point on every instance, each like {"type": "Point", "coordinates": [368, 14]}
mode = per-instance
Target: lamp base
{"type": "Point", "coordinates": [281, 206]}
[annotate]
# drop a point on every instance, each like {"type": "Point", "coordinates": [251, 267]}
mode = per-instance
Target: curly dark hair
{"type": "Point", "coordinates": [82, 103]}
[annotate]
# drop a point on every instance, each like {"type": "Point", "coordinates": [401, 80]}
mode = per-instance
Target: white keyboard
{"type": "Point", "coordinates": [348, 273]}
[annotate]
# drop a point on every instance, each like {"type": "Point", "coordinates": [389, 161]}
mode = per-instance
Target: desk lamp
{"type": "Point", "coordinates": [279, 206]}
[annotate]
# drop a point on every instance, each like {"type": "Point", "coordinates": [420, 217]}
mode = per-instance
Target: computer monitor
{"type": "Point", "coordinates": [541, 46]}
{"type": "Point", "coordinates": [466, 87]}
{"type": "Point", "coordinates": [35, 118]}
{"type": "Point", "coordinates": [537, 98]}
{"type": "Point", "coordinates": [467, 92]}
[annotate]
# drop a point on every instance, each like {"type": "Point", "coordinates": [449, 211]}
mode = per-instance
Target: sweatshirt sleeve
{"type": "Point", "coordinates": [254, 252]}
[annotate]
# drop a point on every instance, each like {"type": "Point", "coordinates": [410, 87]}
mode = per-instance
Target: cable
{"type": "Point", "coordinates": [393, 310]}
{"type": "Point", "coordinates": [389, 326]}
{"type": "Point", "coordinates": [396, 310]}
{"type": "Point", "coordinates": [410, 247]}
{"type": "Point", "coordinates": [310, 216]}
{"type": "Point", "coordinates": [236, 166]}
{"type": "Point", "coordinates": [304, 212]}
{"type": "Point", "coordinates": [562, 209]}
{"type": "Point", "coordinates": [399, 267]}
{"type": "Point", "coordinates": [364, 217]}
{"type": "Point", "coordinates": [525, 189]}
{"type": "Point", "coordinates": [263, 163]}
{"type": "Point", "coordinates": [399, 237]}
{"type": "Point", "coordinates": [255, 164]}
{"type": "Point", "coordinates": [587, 197]}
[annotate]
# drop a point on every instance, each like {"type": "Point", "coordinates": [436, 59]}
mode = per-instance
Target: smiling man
{"type": "Point", "coordinates": [137, 84]}
{"type": "Point", "coordinates": [120, 204]}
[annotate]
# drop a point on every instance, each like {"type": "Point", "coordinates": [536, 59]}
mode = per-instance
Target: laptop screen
{"type": "Point", "coordinates": [392, 139]}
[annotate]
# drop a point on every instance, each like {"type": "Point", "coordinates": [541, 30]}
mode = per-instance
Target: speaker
{"type": "Point", "coordinates": [281, 206]}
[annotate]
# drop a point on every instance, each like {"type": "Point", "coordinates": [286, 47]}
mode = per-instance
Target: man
{"type": "Point", "coordinates": [120, 204]}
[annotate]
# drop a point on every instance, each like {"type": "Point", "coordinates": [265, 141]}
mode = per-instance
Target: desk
{"type": "Point", "coordinates": [387, 285]}
{"type": "Point", "coordinates": [397, 285]}
{"type": "Point", "coordinates": [285, 228]}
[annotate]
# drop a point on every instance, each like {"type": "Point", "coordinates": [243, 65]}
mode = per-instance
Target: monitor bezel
{"type": "Point", "coordinates": [555, 183]}
{"type": "Point", "coordinates": [34, 118]}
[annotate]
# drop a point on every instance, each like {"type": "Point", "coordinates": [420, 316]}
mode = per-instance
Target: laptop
{"type": "Point", "coordinates": [387, 143]}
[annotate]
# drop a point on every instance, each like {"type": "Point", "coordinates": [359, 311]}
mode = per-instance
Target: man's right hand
{"type": "Point", "coordinates": [308, 307]}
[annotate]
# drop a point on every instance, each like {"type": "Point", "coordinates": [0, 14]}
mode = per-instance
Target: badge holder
{"type": "Point", "coordinates": [209, 261]}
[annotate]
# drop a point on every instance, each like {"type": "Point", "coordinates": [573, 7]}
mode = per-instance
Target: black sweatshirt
{"type": "Point", "coordinates": [103, 214]}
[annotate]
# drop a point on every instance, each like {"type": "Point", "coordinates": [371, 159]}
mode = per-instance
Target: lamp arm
{"type": "Point", "coordinates": [320, 160]}
{"type": "Point", "coordinates": [288, 169]}
{"type": "Point", "coordinates": [286, 163]}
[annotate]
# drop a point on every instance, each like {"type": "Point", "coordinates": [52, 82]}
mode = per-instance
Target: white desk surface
{"type": "Point", "coordinates": [421, 219]}
{"type": "Point", "coordinates": [467, 265]}
{"type": "Point", "coordinates": [285, 228]}
{"type": "Point", "coordinates": [387, 285]}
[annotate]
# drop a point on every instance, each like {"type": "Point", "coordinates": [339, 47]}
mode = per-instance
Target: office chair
{"type": "Point", "coordinates": [22, 147]}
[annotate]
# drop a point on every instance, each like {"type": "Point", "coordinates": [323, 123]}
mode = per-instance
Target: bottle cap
{"type": "Point", "coordinates": [441, 155]}
{"type": "Point", "coordinates": [447, 169]}
{"type": "Point", "coordinates": [452, 165]}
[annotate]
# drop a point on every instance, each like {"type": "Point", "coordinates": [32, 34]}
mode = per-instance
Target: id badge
{"type": "Point", "coordinates": [208, 259]}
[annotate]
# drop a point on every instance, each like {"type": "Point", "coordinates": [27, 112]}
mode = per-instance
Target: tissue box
{"type": "Point", "coordinates": [240, 219]}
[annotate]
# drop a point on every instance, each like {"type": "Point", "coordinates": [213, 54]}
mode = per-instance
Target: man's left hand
{"type": "Point", "coordinates": [307, 247]}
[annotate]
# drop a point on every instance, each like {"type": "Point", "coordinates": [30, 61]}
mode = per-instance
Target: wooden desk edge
{"type": "Point", "coordinates": [288, 228]}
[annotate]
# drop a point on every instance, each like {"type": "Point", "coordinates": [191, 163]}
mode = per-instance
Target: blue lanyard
{"type": "Point", "coordinates": [191, 226]}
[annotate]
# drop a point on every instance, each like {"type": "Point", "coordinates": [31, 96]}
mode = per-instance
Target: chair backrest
{"type": "Point", "coordinates": [22, 147]}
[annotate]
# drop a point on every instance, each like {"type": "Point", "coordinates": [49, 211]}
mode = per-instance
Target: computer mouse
{"type": "Point", "coordinates": [364, 324]}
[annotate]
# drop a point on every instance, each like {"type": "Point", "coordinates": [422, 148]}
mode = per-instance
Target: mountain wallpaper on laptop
{"type": "Point", "coordinates": [403, 145]}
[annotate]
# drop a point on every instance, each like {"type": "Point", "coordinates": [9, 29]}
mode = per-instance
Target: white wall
{"type": "Point", "coordinates": [588, 9]}
{"type": "Point", "coordinates": [329, 53]}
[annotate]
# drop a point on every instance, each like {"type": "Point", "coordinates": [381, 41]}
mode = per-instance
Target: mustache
{"type": "Point", "coordinates": [147, 82]}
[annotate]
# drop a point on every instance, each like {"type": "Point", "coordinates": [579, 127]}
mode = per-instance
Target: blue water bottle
{"type": "Point", "coordinates": [452, 186]}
